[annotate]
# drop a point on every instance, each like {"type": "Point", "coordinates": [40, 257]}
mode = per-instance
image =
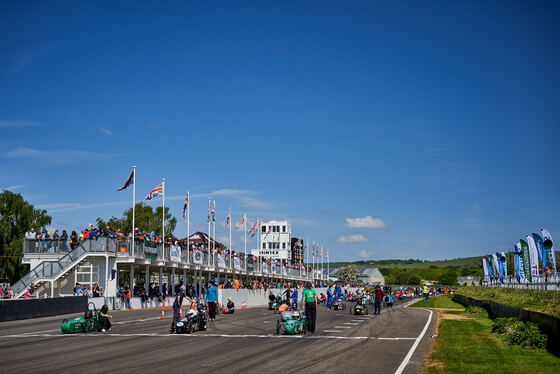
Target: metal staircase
{"type": "Point", "coordinates": [50, 270]}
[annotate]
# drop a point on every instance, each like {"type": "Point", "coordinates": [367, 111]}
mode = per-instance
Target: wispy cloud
{"type": "Point", "coordinates": [25, 56]}
{"type": "Point", "coordinates": [105, 131]}
{"type": "Point", "coordinates": [328, 170]}
{"type": "Point", "coordinates": [153, 123]}
{"type": "Point", "coordinates": [18, 123]}
{"type": "Point", "coordinates": [65, 207]}
{"type": "Point", "coordinates": [53, 156]}
{"type": "Point", "coordinates": [352, 238]}
{"type": "Point", "coordinates": [14, 187]}
{"type": "Point", "coordinates": [366, 222]}
{"type": "Point", "coordinates": [363, 254]}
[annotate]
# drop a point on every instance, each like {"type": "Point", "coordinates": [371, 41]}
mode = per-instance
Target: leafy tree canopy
{"type": "Point", "coordinates": [348, 273]}
{"type": "Point", "coordinates": [146, 219]}
{"type": "Point", "coordinates": [16, 217]}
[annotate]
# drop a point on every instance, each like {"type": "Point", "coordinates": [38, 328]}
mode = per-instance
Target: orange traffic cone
{"type": "Point", "coordinates": [180, 312]}
{"type": "Point", "coordinates": [162, 311]}
{"type": "Point", "coordinates": [244, 306]}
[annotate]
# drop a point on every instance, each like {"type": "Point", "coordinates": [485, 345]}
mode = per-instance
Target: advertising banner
{"type": "Point", "coordinates": [237, 263]}
{"type": "Point", "coordinates": [272, 268]}
{"type": "Point", "coordinates": [175, 253]}
{"type": "Point", "coordinates": [270, 253]}
{"type": "Point", "coordinates": [197, 257]}
{"type": "Point", "coordinates": [525, 259]}
{"type": "Point", "coordinates": [534, 257]}
{"type": "Point", "coordinates": [548, 246]}
{"type": "Point", "coordinates": [284, 271]}
{"type": "Point", "coordinates": [150, 252]}
{"type": "Point", "coordinates": [265, 267]}
{"type": "Point", "coordinates": [485, 268]}
{"type": "Point", "coordinates": [221, 261]}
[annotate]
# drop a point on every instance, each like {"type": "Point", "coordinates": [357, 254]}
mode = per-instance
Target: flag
{"type": "Point", "coordinates": [240, 223]}
{"type": "Point", "coordinates": [313, 249]}
{"type": "Point", "coordinates": [214, 211]}
{"type": "Point", "coordinates": [533, 257]}
{"type": "Point", "coordinates": [327, 254]}
{"type": "Point", "coordinates": [548, 246]}
{"type": "Point", "coordinates": [209, 209]}
{"type": "Point", "coordinates": [158, 191]}
{"type": "Point", "coordinates": [128, 182]}
{"type": "Point", "coordinates": [228, 217]}
{"type": "Point", "coordinates": [185, 206]}
{"type": "Point", "coordinates": [526, 259]}
{"type": "Point", "coordinates": [253, 228]}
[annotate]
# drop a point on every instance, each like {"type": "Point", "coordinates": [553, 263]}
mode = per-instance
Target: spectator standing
{"type": "Point", "coordinates": [378, 299]}
{"type": "Point", "coordinates": [309, 301]}
{"type": "Point", "coordinates": [212, 299]}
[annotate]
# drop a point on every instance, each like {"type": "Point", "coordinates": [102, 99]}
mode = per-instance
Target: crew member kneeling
{"type": "Point", "coordinates": [230, 307]}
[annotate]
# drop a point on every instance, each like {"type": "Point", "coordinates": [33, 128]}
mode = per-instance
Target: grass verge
{"type": "Point", "coordinates": [466, 345]}
{"type": "Point", "coordinates": [541, 301]}
{"type": "Point", "coordinates": [438, 302]}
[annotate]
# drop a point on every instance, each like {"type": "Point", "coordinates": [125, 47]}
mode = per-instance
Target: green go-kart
{"type": "Point", "coordinates": [291, 323]}
{"type": "Point", "coordinates": [89, 322]}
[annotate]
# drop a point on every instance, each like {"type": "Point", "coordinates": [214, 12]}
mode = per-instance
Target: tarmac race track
{"type": "Point", "coordinates": [244, 342]}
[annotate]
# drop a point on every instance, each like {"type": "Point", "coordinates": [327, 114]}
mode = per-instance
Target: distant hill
{"type": "Point", "coordinates": [414, 264]}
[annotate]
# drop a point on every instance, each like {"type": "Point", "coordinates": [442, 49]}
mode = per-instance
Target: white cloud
{"type": "Point", "coordinates": [365, 223]}
{"type": "Point", "coordinates": [105, 131]}
{"type": "Point", "coordinates": [365, 254]}
{"type": "Point", "coordinates": [53, 156]}
{"type": "Point", "coordinates": [65, 207]}
{"type": "Point", "coordinates": [14, 187]}
{"type": "Point", "coordinates": [353, 238]}
{"type": "Point", "coordinates": [18, 123]}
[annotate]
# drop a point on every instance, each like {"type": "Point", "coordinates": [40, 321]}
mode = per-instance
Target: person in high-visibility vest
{"type": "Point", "coordinates": [426, 291]}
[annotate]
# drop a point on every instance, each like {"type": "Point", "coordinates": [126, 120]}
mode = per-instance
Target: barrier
{"type": "Point", "coordinates": [548, 324]}
{"type": "Point", "coordinates": [11, 310]}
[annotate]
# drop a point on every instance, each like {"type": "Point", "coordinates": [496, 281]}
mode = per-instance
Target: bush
{"type": "Point", "coordinates": [527, 334]}
{"type": "Point", "coordinates": [476, 310]}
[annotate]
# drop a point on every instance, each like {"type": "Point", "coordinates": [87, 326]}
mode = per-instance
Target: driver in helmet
{"type": "Point", "coordinates": [177, 307]}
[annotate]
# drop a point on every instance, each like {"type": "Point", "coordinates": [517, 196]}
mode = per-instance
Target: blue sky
{"type": "Point", "coordinates": [438, 121]}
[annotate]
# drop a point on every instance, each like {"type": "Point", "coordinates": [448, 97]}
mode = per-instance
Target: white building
{"type": "Point", "coordinates": [276, 236]}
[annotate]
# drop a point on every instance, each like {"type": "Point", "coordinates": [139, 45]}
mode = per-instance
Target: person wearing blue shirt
{"type": "Point", "coordinates": [177, 307]}
{"type": "Point", "coordinates": [329, 297]}
{"type": "Point", "coordinates": [337, 291]}
{"type": "Point", "coordinates": [295, 298]}
{"type": "Point", "coordinates": [212, 299]}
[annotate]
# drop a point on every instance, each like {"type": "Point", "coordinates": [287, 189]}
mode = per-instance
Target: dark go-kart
{"type": "Point", "coordinates": [274, 305]}
{"type": "Point", "coordinates": [359, 309]}
{"type": "Point", "coordinates": [196, 319]}
{"type": "Point", "coordinates": [291, 323]}
{"type": "Point", "coordinates": [89, 322]}
{"type": "Point", "coordinates": [338, 304]}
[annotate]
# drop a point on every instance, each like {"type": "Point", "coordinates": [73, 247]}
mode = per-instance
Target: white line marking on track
{"type": "Point", "coordinates": [196, 335]}
{"type": "Point", "coordinates": [360, 320]}
{"type": "Point", "coordinates": [331, 330]}
{"type": "Point", "coordinates": [416, 342]}
{"type": "Point", "coordinates": [342, 327]}
{"type": "Point", "coordinates": [350, 323]}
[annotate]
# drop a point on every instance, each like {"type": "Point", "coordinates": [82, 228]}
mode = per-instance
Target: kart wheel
{"type": "Point", "coordinates": [190, 328]}
{"type": "Point", "coordinates": [277, 327]}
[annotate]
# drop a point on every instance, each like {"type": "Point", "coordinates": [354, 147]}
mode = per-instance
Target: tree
{"type": "Point", "coordinates": [146, 219]}
{"type": "Point", "coordinates": [448, 277]}
{"type": "Point", "coordinates": [348, 273]}
{"type": "Point", "coordinates": [16, 217]}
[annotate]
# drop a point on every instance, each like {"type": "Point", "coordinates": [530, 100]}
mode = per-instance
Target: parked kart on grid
{"type": "Point", "coordinates": [274, 305]}
{"type": "Point", "coordinates": [195, 319]}
{"type": "Point", "coordinates": [291, 323]}
{"type": "Point", "coordinates": [89, 322]}
{"type": "Point", "coordinates": [338, 304]}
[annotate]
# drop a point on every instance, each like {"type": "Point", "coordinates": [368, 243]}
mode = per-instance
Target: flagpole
{"type": "Point", "coordinates": [209, 212]}
{"type": "Point", "coordinates": [245, 231]}
{"type": "Point", "coordinates": [133, 204]}
{"type": "Point", "coordinates": [328, 264]}
{"type": "Point", "coordinates": [307, 258]}
{"type": "Point", "coordinates": [230, 224]}
{"type": "Point", "coordinates": [214, 225]}
{"type": "Point", "coordinates": [163, 221]}
{"type": "Point", "coordinates": [188, 226]}
{"type": "Point", "coordinates": [322, 267]}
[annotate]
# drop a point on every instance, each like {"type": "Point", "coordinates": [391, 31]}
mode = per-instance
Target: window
{"type": "Point", "coordinates": [264, 246]}
{"type": "Point", "coordinates": [278, 228]}
{"type": "Point", "coordinates": [283, 228]}
{"type": "Point", "coordinates": [263, 229]}
{"type": "Point", "coordinates": [283, 245]}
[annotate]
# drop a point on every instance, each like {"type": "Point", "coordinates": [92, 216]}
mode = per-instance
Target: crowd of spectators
{"type": "Point", "coordinates": [63, 242]}
{"type": "Point", "coordinates": [6, 291]}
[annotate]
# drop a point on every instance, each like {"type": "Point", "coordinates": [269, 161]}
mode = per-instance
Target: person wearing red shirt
{"type": "Point", "coordinates": [378, 299]}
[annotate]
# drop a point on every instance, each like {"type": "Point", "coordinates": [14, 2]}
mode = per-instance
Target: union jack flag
{"type": "Point", "coordinates": [158, 191]}
{"type": "Point", "coordinates": [313, 249]}
{"type": "Point", "coordinates": [209, 208]}
{"type": "Point", "coordinates": [185, 206]}
{"type": "Point", "coordinates": [228, 217]}
{"type": "Point", "coordinates": [240, 223]}
{"type": "Point", "coordinates": [327, 253]}
{"type": "Point", "coordinates": [128, 182]}
{"type": "Point", "coordinates": [253, 227]}
{"type": "Point", "coordinates": [214, 211]}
